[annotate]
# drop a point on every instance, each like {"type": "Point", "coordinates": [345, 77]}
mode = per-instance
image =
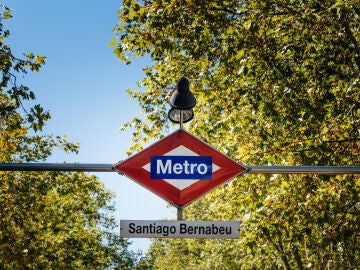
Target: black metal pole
{"type": "Point", "coordinates": [304, 169]}
{"type": "Point", "coordinates": [103, 167]}
{"type": "Point", "coordinates": [75, 167]}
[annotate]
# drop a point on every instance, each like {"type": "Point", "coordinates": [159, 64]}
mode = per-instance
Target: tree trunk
{"type": "Point", "coordinates": [295, 253]}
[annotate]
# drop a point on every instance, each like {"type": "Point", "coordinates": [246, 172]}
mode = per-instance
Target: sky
{"type": "Point", "coordinates": [83, 86]}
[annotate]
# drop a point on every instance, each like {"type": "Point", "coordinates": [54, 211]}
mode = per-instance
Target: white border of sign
{"type": "Point", "coordinates": [179, 229]}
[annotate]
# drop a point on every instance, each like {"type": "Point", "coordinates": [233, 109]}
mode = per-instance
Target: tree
{"type": "Point", "coordinates": [48, 220]}
{"type": "Point", "coordinates": [277, 82]}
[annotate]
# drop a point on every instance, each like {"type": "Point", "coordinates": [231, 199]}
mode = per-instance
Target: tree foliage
{"type": "Point", "coordinates": [277, 82]}
{"type": "Point", "coordinates": [48, 220]}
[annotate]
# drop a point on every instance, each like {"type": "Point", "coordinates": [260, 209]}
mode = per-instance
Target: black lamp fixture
{"type": "Point", "coordinates": [182, 102]}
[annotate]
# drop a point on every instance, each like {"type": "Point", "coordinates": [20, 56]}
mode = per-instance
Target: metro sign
{"type": "Point", "coordinates": [180, 168]}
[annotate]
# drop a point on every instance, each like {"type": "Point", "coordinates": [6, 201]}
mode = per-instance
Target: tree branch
{"type": "Point", "coordinates": [350, 36]}
{"type": "Point", "coordinates": [295, 253]}
{"type": "Point", "coordinates": [280, 249]}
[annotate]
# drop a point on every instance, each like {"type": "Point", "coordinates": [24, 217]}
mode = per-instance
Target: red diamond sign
{"type": "Point", "coordinates": [180, 168]}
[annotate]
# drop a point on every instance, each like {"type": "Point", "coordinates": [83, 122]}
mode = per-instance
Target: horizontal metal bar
{"type": "Point", "coordinates": [98, 167]}
{"type": "Point", "coordinates": [75, 167]}
{"type": "Point", "coordinates": [303, 169]}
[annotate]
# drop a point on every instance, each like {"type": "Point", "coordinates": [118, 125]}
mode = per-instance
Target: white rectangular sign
{"type": "Point", "coordinates": [179, 229]}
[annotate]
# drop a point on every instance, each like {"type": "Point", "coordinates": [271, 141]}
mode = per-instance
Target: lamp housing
{"type": "Point", "coordinates": [175, 115]}
{"type": "Point", "coordinates": [182, 98]}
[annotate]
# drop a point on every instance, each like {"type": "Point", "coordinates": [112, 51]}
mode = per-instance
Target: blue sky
{"type": "Point", "coordinates": [83, 86]}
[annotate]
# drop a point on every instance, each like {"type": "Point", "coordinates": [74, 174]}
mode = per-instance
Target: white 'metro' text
{"type": "Point", "coordinates": [179, 168]}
